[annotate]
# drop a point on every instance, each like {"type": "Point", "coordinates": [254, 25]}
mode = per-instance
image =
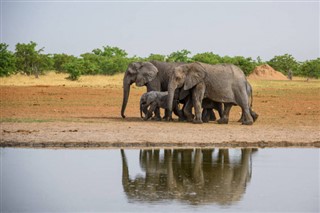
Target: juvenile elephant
{"type": "Point", "coordinates": [207, 110]}
{"type": "Point", "coordinates": [224, 83]}
{"type": "Point", "coordinates": [152, 100]}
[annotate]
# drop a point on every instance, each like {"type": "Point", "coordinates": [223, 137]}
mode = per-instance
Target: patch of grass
{"type": "Point", "coordinates": [25, 120]}
{"type": "Point", "coordinates": [60, 79]}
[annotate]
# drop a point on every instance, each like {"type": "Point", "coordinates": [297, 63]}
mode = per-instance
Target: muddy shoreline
{"type": "Point", "coordinates": [122, 133]}
{"type": "Point", "coordinates": [155, 145]}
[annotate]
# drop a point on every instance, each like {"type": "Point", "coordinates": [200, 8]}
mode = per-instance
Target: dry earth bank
{"type": "Point", "coordinates": [54, 112]}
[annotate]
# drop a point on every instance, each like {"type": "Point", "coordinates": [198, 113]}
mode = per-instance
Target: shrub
{"type": "Point", "coordinates": [74, 68]}
{"type": "Point", "coordinates": [7, 61]}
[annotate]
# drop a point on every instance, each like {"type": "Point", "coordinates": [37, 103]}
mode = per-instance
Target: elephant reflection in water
{"type": "Point", "coordinates": [193, 175]}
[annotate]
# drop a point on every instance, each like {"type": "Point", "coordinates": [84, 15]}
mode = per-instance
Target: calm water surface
{"type": "Point", "coordinates": [273, 180]}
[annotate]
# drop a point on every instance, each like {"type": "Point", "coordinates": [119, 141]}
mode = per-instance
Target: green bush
{"type": "Point", "coordinates": [310, 68]}
{"type": "Point", "coordinates": [31, 61]}
{"type": "Point", "coordinates": [74, 68]}
{"type": "Point", "coordinates": [179, 56]}
{"type": "Point", "coordinates": [156, 57]}
{"type": "Point", "coordinates": [7, 61]}
{"type": "Point", "coordinates": [59, 60]}
{"type": "Point", "coordinates": [246, 64]}
{"type": "Point", "coordinates": [207, 57]}
{"type": "Point", "coordinates": [284, 63]}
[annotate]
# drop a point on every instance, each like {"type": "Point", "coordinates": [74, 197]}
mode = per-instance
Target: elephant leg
{"type": "Point", "coordinates": [156, 110]}
{"type": "Point", "coordinates": [225, 116]}
{"type": "Point", "coordinates": [205, 115]}
{"type": "Point", "coordinates": [219, 108]}
{"type": "Point", "coordinates": [197, 97]}
{"type": "Point", "coordinates": [253, 114]}
{"type": "Point", "coordinates": [153, 108]}
{"type": "Point", "coordinates": [212, 116]}
{"type": "Point", "coordinates": [156, 114]}
{"type": "Point", "coordinates": [187, 110]}
{"type": "Point", "coordinates": [242, 117]}
{"type": "Point", "coordinates": [166, 114]}
{"type": "Point", "coordinates": [178, 112]}
{"type": "Point", "coordinates": [248, 120]}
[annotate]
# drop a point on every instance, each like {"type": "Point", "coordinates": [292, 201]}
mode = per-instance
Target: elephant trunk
{"type": "Point", "coordinates": [126, 91]}
{"type": "Point", "coordinates": [171, 90]}
{"type": "Point", "coordinates": [125, 171]}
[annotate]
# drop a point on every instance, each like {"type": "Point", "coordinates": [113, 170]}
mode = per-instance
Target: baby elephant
{"type": "Point", "coordinates": [150, 101]}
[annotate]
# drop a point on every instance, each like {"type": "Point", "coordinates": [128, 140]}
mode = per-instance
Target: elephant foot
{"type": "Point", "coordinates": [212, 117]}
{"type": "Point", "coordinates": [205, 120]}
{"type": "Point", "coordinates": [189, 118]}
{"type": "Point", "coordinates": [197, 121]}
{"type": "Point", "coordinates": [169, 118]}
{"type": "Point", "coordinates": [250, 122]}
{"type": "Point", "coordinates": [254, 116]}
{"type": "Point", "coordinates": [240, 120]}
{"type": "Point", "coordinates": [156, 118]}
{"type": "Point", "coordinates": [182, 119]}
{"type": "Point", "coordinates": [223, 121]}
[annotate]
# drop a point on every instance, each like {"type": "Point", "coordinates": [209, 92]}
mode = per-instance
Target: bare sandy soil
{"type": "Point", "coordinates": [84, 116]}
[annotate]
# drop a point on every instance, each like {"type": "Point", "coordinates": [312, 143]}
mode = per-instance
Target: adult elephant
{"type": "Point", "coordinates": [225, 83]}
{"type": "Point", "coordinates": [154, 75]}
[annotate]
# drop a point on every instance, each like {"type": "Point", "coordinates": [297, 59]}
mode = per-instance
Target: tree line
{"type": "Point", "coordinates": [30, 60]}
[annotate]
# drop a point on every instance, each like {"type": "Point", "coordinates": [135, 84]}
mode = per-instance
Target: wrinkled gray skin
{"type": "Point", "coordinates": [253, 114]}
{"type": "Point", "coordinates": [154, 75]}
{"type": "Point", "coordinates": [224, 83]}
{"type": "Point", "coordinates": [207, 110]}
{"type": "Point", "coordinates": [152, 100]}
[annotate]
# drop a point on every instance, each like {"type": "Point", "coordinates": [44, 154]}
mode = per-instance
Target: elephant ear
{"type": "Point", "coordinates": [134, 67]}
{"type": "Point", "coordinates": [195, 75]}
{"type": "Point", "coordinates": [149, 71]}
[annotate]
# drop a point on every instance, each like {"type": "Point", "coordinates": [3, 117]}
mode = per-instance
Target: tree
{"type": "Point", "coordinates": [92, 63]}
{"type": "Point", "coordinates": [110, 52]}
{"type": "Point", "coordinates": [156, 57]}
{"type": "Point", "coordinates": [31, 61]}
{"type": "Point", "coordinates": [284, 63]}
{"type": "Point", "coordinates": [108, 61]}
{"type": "Point", "coordinates": [74, 68]}
{"type": "Point", "coordinates": [246, 64]}
{"type": "Point", "coordinates": [59, 60]}
{"type": "Point", "coordinates": [7, 61]}
{"type": "Point", "coordinates": [179, 56]}
{"type": "Point", "coordinates": [207, 57]}
{"type": "Point", "coordinates": [311, 68]}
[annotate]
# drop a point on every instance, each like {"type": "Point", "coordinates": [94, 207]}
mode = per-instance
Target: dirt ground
{"type": "Point", "coordinates": [88, 115]}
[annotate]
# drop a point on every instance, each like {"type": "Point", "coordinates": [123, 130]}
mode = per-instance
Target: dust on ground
{"type": "Point", "coordinates": [88, 115]}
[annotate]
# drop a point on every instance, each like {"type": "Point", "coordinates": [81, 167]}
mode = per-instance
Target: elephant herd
{"type": "Point", "coordinates": [201, 86]}
{"type": "Point", "coordinates": [195, 176]}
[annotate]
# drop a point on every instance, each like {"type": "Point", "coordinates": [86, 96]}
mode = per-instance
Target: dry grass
{"type": "Point", "coordinates": [115, 81]}
{"type": "Point", "coordinates": [54, 79]}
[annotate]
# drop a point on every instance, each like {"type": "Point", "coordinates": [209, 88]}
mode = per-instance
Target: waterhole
{"type": "Point", "coordinates": [159, 180]}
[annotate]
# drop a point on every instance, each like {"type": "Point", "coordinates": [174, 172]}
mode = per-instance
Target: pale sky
{"type": "Point", "coordinates": [249, 29]}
